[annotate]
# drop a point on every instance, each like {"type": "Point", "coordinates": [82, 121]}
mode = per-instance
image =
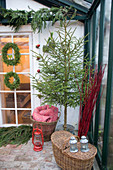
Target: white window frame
{"type": "Point", "coordinates": [21, 91]}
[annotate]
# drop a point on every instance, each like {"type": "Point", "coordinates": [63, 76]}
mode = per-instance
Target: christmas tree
{"type": "Point", "coordinates": [57, 68]}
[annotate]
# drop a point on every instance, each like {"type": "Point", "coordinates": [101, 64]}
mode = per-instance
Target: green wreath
{"type": "Point", "coordinates": [11, 62]}
{"type": "Point", "coordinates": [16, 82]}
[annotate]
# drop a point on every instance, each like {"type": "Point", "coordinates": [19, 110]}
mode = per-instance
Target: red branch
{"type": "Point", "coordinates": [88, 98]}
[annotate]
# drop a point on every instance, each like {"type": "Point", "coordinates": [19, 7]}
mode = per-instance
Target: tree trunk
{"type": "Point", "coordinates": [65, 117]}
{"type": "Point", "coordinates": [66, 78]}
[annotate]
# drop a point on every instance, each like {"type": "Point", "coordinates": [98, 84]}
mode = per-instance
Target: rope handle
{"type": "Point", "coordinates": [66, 142]}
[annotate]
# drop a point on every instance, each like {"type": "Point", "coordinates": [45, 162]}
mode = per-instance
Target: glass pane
{"type": "Point", "coordinates": [97, 33]}
{"type": "Point", "coordinates": [4, 67]}
{"type": "Point", "coordinates": [2, 85]}
{"type": "Point", "coordinates": [24, 116]}
{"type": "Point", "coordinates": [23, 43]}
{"type": "Point", "coordinates": [82, 2]}
{"type": "Point", "coordinates": [104, 81]}
{"type": "Point", "coordinates": [23, 100]}
{"type": "Point", "coordinates": [110, 145]}
{"type": "Point", "coordinates": [24, 65]}
{"type": "Point", "coordinates": [24, 82]}
{"type": "Point", "coordinates": [7, 100]}
{"type": "Point", "coordinates": [91, 34]}
{"type": "Point", "coordinates": [4, 40]}
{"type": "Point", "coordinates": [8, 116]}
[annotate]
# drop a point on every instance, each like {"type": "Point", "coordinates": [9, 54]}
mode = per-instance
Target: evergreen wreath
{"type": "Point", "coordinates": [11, 62]}
{"type": "Point", "coordinates": [16, 82]}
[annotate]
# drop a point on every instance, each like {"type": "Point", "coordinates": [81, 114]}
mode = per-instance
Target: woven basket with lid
{"type": "Point", "coordinates": [68, 160]}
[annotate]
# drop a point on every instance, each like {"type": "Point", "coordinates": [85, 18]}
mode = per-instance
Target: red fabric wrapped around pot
{"type": "Point", "coordinates": [45, 113]}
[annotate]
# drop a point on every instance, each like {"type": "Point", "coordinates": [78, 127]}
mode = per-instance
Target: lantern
{"type": "Point", "coordinates": [84, 144]}
{"type": "Point", "coordinates": [37, 139]}
{"type": "Point", "coordinates": [73, 144]}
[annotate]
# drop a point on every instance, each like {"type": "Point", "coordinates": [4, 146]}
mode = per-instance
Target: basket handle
{"type": "Point", "coordinates": [66, 142]}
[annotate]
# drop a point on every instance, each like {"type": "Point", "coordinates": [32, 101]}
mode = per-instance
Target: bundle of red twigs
{"type": "Point", "coordinates": [88, 97]}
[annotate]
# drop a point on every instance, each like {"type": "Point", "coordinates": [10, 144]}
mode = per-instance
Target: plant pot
{"type": "Point", "coordinates": [70, 128]}
{"type": "Point", "coordinates": [47, 127]}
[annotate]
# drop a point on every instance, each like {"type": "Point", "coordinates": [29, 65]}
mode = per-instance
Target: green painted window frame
{"type": "Point", "coordinates": [3, 3]}
{"type": "Point", "coordinates": [93, 137]}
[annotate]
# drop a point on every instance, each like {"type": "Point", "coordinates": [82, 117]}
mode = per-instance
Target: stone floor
{"type": "Point", "coordinates": [24, 157]}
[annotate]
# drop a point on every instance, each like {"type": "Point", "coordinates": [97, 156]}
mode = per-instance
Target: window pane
{"type": "Point", "coordinates": [8, 116]}
{"type": "Point", "coordinates": [4, 40]}
{"type": "Point", "coordinates": [7, 100]}
{"type": "Point", "coordinates": [4, 67]}
{"type": "Point", "coordinates": [110, 145]}
{"type": "Point", "coordinates": [24, 65]}
{"type": "Point", "coordinates": [97, 34]}
{"type": "Point", "coordinates": [24, 116]}
{"type": "Point", "coordinates": [104, 81]}
{"type": "Point", "coordinates": [82, 2]}
{"type": "Point", "coordinates": [23, 43]}
{"type": "Point", "coordinates": [23, 100]}
{"type": "Point", "coordinates": [2, 84]}
{"type": "Point", "coordinates": [24, 82]}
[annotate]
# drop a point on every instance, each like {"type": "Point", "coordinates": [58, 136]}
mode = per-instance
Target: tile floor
{"type": "Point", "coordinates": [24, 157]}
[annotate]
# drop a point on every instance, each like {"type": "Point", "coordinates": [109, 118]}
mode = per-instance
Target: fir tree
{"type": "Point", "coordinates": [63, 60]}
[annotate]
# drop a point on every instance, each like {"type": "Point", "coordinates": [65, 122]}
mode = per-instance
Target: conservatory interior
{"type": "Point", "coordinates": [22, 60]}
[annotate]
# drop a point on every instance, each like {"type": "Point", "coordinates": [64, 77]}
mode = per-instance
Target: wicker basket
{"type": "Point", "coordinates": [68, 160]}
{"type": "Point", "coordinates": [47, 127]}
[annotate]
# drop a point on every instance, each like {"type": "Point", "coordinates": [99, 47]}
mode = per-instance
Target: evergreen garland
{"type": "Point", "coordinates": [15, 135]}
{"type": "Point", "coordinates": [38, 18]}
{"type": "Point", "coordinates": [16, 82]}
{"type": "Point", "coordinates": [11, 62]}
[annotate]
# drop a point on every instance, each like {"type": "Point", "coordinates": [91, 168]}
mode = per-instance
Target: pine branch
{"type": "Point", "coordinates": [15, 135]}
